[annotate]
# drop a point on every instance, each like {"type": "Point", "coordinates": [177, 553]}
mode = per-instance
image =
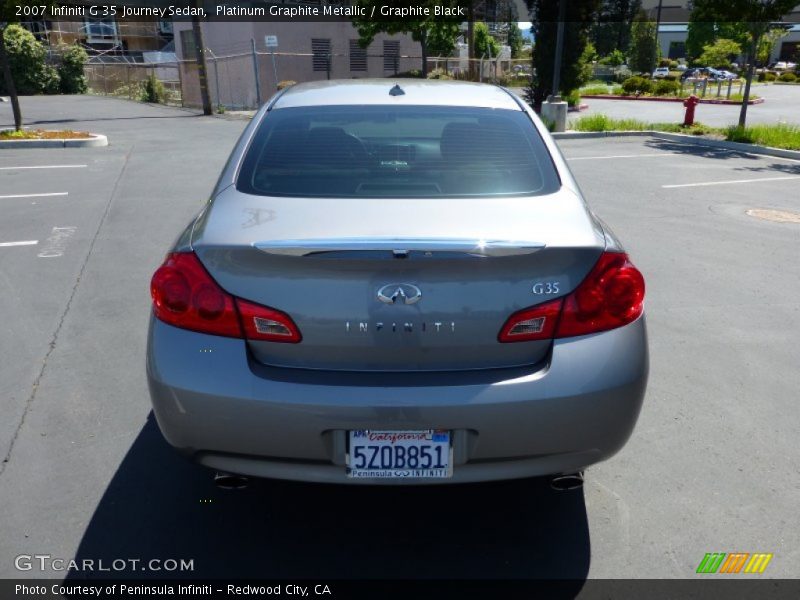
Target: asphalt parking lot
{"type": "Point", "coordinates": [712, 465]}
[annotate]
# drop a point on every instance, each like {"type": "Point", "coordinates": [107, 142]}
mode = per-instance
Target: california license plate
{"type": "Point", "coordinates": [399, 454]}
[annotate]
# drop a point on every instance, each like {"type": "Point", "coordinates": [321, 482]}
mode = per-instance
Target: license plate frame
{"type": "Point", "coordinates": [367, 459]}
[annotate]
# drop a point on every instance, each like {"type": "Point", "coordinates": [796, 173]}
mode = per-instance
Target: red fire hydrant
{"type": "Point", "coordinates": [690, 103]}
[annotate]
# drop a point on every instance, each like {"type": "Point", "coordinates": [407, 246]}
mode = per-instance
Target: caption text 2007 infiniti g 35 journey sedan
{"type": "Point", "coordinates": [397, 284]}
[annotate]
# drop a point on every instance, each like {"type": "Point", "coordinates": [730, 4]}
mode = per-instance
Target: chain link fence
{"type": "Point", "coordinates": [244, 80]}
{"type": "Point", "coordinates": [123, 79]}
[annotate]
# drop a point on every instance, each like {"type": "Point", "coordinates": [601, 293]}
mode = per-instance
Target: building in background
{"type": "Point", "coordinates": [106, 36]}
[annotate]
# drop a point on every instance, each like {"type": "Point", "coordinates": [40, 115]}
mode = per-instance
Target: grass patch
{"type": "Point", "coordinates": [780, 135]}
{"type": "Point", "coordinates": [594, 90]}
{"type": "Point", "coordinates": [601, 122]}
{"type": "Point", "coordinates": [41, 134]}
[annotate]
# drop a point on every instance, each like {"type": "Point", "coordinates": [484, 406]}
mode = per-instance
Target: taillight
{"type": "Point", "coordinates": [186, 296]}
{"type": "Point", "coordinates": [611, 295]}
{"type": "Point", "coordinates": [262, 323]}
{"type": "Point", "coordinates": [534, 323]}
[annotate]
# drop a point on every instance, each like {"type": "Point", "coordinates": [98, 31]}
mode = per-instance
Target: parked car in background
{"type": "Point", "coordinates": [397, 284]}
{"type": "Point", "coordinates": [660, 72]}
{"type": "Point", "coordinates": [728, 74]}
{"type": "Point", "coordinates": [681, 67]}
{"type": "Point", "coordinates": [702, 73]}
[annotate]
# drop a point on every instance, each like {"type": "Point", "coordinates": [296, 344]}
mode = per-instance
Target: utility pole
{"type": "Point", "coordinates": [202, 68]}
{"type": "Point", "coordinates": [562, 15]}
{"type": "Point", "coordinates": [658, 24]}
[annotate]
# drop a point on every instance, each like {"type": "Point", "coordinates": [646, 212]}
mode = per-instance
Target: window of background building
{"type": "Point", "coordinates": [391, 55]}
{"type": "Point", "coordinates": [187, 45]}
{"type": "Point", "coordinates": [358, 57]}
{"type": "Point", "coordinates": [321, 51]}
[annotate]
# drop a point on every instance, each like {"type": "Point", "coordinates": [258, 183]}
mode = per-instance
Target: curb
{"type": "Point", "coordinates": [598, 134]}
{"type": "Point", "coordinates": [95, 141]}
{"type": "Point", "coordinates": [649, 99]}
{"type": "Point", "coordinates": [684, 139]}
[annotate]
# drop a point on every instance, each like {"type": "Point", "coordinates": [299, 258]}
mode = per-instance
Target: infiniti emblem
{"type": "Point", "coordinates": [406, 292]}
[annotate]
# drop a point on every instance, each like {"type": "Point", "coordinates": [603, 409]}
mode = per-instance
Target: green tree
{"type": "Point", "coordinates": [27, 59]}
{"type": "Point", "coordinates": [758, 17]}
{"type": "Point", "coordinates": [767, 43]}
{"type": "Point", "coordinates": [613, 28]}
{"type": "Point", "coordinates": [643, 53]}
{"type": "Point", "coordinates": [485, 44]}
{"type": "Point", "coordinates": [614, 59]}
{"type": "Point", "coordinates": [8, 16]}
{"type": "Point", "coordinates": [578, 21]}
{"type": "Point", "coordinates": [515, 40]}
{"type": "Point", "coordinates": [707, 26]}
{"type": "Point", "coordinates": [435, 35]}
{"type": "Point", "coordinates": [720, 54]}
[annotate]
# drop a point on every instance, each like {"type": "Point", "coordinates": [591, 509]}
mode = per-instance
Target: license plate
{"type": "Point", "coordinates": [399, 454]}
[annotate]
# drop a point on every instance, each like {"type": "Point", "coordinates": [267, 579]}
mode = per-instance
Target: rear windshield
{"type": "Point", "coordinates": [408, 151]}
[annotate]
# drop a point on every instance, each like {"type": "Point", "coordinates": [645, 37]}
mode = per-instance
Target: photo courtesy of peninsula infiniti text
{"type": "Point", "coordinates": [397, 282]}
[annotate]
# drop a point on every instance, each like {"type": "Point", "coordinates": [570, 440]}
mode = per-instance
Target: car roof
{"type": "Point", "coordinates": [416, 92]}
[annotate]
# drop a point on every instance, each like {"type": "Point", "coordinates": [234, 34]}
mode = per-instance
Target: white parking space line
{"type": "Point", "coordinates": [44, 167]}
{"type": "Point", "coordinates": [35, 195]}
{"type": "Point", "coordinates": [26, 243]}
{"type": "Point", "coordinates": [624, 156]}
{"type": "Point", "coordinates": [705, 183]}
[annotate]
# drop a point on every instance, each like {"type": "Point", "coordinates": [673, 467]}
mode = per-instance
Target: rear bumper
{"type": "Point", "coordinates": [214, 404]}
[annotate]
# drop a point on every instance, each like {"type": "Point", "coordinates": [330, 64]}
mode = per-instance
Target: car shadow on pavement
{"type": "Point", "coordinates": [697, 150]}
{"type": "Point", "coordinates": [160, 506]}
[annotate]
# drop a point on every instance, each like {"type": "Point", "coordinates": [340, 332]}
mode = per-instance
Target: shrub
{"type": "Point", "coordinates": [73, 81]}
{"type": "Point", "coordinates": [285, 83]}
{"type": "Point", "coordinates": [153, 91]}
{"type": "Point", "coordinates": [615, 59]}
{"type": "Point", "coordinates": [51, 82]}
{"type": "Point", "coordinates": [766, 76]}
{"type": "Point", "coordinates": [637, 85]}
{"type": "Point", "coordinates": [788, 77]}
{"type": "Point", "coordinates": [439, 74]}
{"type": "Point", "coordinates": [573, 98]}
{"type": "Point", "coordinates": [673, 64]}
{"type": "Point", "coordinates": [666, 87]}
{"type": "Point", "coordinates": [664, 62]}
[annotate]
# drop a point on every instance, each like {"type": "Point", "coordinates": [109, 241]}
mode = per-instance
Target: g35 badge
{"type": "Point", "coordinates": [544, 288]}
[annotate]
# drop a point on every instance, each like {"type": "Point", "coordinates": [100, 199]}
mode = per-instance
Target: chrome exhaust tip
{"type": "Point", "coordinates": [567, 481]}
{"type": "Point", "coordinates": [230, 481]}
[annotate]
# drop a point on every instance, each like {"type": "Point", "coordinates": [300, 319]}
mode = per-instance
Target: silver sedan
{"type": "Point", "coordinates": [397, 283]}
